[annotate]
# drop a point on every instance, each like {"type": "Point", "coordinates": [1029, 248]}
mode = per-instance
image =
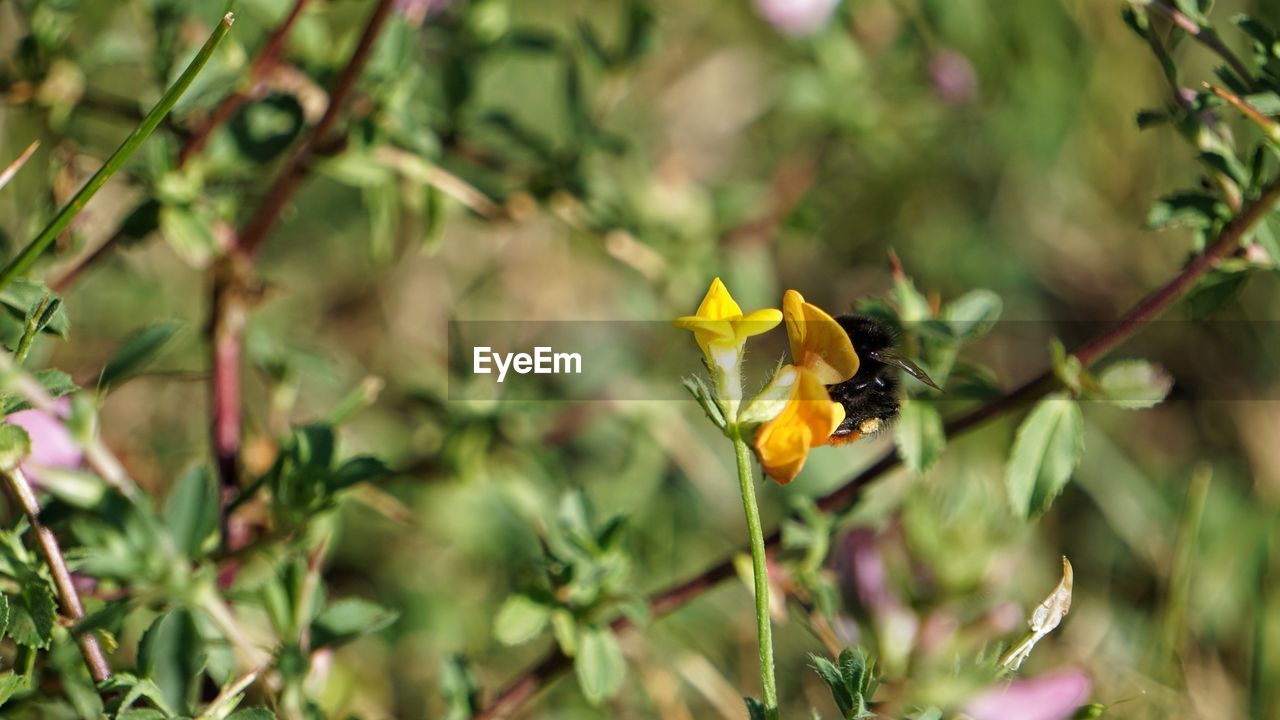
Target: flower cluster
{"type": "Point", "coordinates": [794, 412]}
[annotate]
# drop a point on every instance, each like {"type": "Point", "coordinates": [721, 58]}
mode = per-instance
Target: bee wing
{"type": "Point", "coordinates": [892, 357]}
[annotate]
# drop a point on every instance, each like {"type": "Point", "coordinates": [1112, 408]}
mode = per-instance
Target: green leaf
{"type": "Point", "coordinates": [4, 614]}
{"type": "Point", "coordinates": [459, 689]}
{"type": "Point", "coordinates": [919, 435]}
{"type": "Point", "coordinates": [189, 235]}
{"type": "Point", "coordinates": [1045, 452]}
{"type": "Point", "coordinates": [638, 39]}
{"type": "Point", "coordinates": [264, 129]}
{"type": "Point", "coordinates": [700, 392]}
{"type": "Point", "coordinates": [55, 382]}
{"type": "Point", "coordinates": [10, 683]}
{"type": "Point", "coordinates": [1151, 118]}
{"type": "Point", "coordinates": [913, 306]}
{"type": "Point", "coordinates": [347, 619]}
{"type": "Point", "coordinates": [565, 630]}
{"type": "Point", "coordinates": [851, 681]}
{"type": "Point", "coordinates": [15, 445]}
{"type": "Point", "coordinates": [141, 222]}
{"type": "Point", "coordinates": [1193, 209]}
{"type": "Point", "coordinates": [361, 468]}
{"type": "Point", "coordinates": [23, 295]}
{"type": "Point", "coordinates": [171, 654]}
{"type": "Point", "coordinates": [1068, 368]}
{"type": "Point", "coordinates": [1135, 384]}
{"type": "Point", "coordinates": [1216, 290]}
{"type": "Point", "coordinates": [599, 664]}
{"type": "Point", "coordinates": [830, 675]}
{"type": "Point", "coordinates": [971, 315]}
{"type": "Point", "coordinates": [191, 511]}
{"type": "Point", "coordinates": [138, 349]}
{"type": "Point", "coordinates": [520, 619]}
{"type": "Point", "coordinates": [755, 709]}
{"type": "Point", "coordinates": [32, 614]}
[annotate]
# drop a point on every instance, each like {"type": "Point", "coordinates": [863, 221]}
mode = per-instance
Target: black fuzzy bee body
{"type": "Point", "coordinates": [871, 398]}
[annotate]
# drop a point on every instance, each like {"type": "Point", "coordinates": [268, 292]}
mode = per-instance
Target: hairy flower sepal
{"type": "Point", "coordinates": [806, 421]}
{"type": "Point", "coordinates": [721, 331]}
{"type": "Point", "coordinates": [771, 400]}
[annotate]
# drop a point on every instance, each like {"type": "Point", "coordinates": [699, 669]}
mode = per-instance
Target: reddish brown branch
{"type": "Point", "coordinates": [287, 181]}
{"type": "Point", "coordinates": [68, 598]}
{"type": "Point", "coordinates": [524, 687]}
{"type": "Point", "coordinates": [229, 305]}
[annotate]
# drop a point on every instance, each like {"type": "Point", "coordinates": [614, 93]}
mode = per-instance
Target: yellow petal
{"type": "Point", "coordinates": [793, 312]}
{"type": "Point", "coordinates": [718, 328]}
{"type": "Point", "coordinates": [760, 321]}
{"type": "Point", "coordinates": [782, 449]}
{"type": "Point", "coordinates": [817, 340]}
{"type": "Point", "coordinates": [706, 332]}
{"type": "Point", "coordinates": [812, 406]}
{"type": "Point", "coordinates": [718, 304]}
{"type": "Point", "coordinates": [807, 420]}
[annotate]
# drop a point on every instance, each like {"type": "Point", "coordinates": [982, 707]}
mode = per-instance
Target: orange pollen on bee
{"type": "Point", "coordinates": [844, 439]}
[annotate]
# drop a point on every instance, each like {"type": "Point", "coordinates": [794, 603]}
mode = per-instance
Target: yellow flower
{"type": "Point", "coordinates": [818, 343]}
{"type": "Point", "coordinates": [720, 327]}
{"type": "Point", "coordinates": [806, 421]}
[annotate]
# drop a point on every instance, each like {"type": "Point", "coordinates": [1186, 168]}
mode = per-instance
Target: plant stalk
{"type": "Point", "coordinates": [760, 569]}
{"type": "Point", "coordinates": [62, 582]}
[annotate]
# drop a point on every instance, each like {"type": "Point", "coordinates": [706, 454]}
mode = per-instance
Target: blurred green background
{"type": "Point", "coordinates": [989, 144]}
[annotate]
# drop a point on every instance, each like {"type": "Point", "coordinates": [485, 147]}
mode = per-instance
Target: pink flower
{"type": "Point", "coordinates": [953, 77]}
{"type": "Point", "coordinates": [51, 444]}
{"type": "Point", "coordinates": [796, 18]}
{"type": "Point", "coordinates": [415, 11]}
{"type": "Point", "coordinates": [1055, 696]}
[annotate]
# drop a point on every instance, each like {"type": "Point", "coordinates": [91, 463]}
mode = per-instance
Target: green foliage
{"type": "Point", "coordinates": [1134, 384]}
{"type": "Point", "coordinates": [920, 437]}
{"type": "Point", "coordinates": [32, 614]}
{"type": "Point", "coordinates": [347, 619]}
{"type": "Point", "coordinates": [22, 297]}
{"type": "Point", "coordinates": [191, 512]}
{"type": "Point", "coordinates": [307, 477]}
{"type": "Point", "coordinates": [136, 351]}
{"type": "Point", "coordinates": [1045, 453]}
{"type": "Point", "coordinates": [520, 620]}
{"type": "Point", "coordinates": [15, 445]}
{"type": "Point", "coordinates": [171, 654]}
{"type": "Point", "coordinates": [852, 682]}
{"type": "Point", "coordinates": [599, 664]}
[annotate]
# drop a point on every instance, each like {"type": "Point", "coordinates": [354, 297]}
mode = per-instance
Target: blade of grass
{"type": "Point", "coordinates": [1174, 631]}
{"type": "Point", "coordinates": [1262, 693]}
{"type": "Point", "coordinates": [24, 260]}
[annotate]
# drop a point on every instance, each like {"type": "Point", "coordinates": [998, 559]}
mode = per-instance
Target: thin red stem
{"type": "Point", "coordinates": [230, 306]}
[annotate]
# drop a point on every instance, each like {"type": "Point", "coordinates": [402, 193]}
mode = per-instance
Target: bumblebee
{"type": "Point", "coordinates": [871, 397]}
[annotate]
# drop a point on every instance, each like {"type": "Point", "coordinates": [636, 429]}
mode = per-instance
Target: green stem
{"type": "Point", "coordinates": [760, 568]}
{"type": "Point", "coordinates": [23, 261]}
